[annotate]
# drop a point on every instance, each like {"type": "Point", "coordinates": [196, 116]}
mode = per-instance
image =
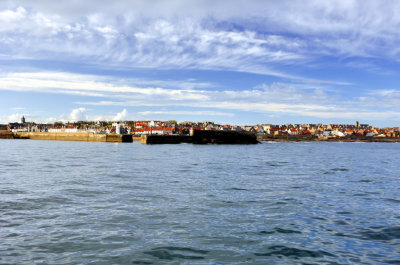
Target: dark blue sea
{"type": "Point", "coordinates": [127, 203]}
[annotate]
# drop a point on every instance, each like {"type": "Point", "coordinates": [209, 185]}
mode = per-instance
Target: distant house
{"type": "Point", "coordinates": [18, 127]}
{"type": "Point", "coordinates": [326, 133]}
{"type": "Point", "coordinates": [168, 130]}
{"type": "Point", "coordinates": [348, 132]}
{"type": "Point", "coordinates": [293, 131]}
{"type": "Point", "coordinates": [154, 131]}
{"type": "Point", "coordinates": [273, 131]}
{"type": "Point", "coordinates": [70, 129]}
{"type": "Point", "coordinates": [237, 128]}
{"type": "Point", "coordinates": [142, 124]}
{"type": "Point", "coordinates": [332, 126]}
{"type": "Point", "coordinates": [54, 130]}
{"type": "Point", "coordinates": [260, 131]}
{"type": "Point", "coordinates": [210, 127]}
{"type": "Point", "coordinates": [281, 132]}
{"type": "Point", "coordinates": [266, 127]}
{"type": "Point", "coordinates": [390, 134]}
{"type": "Point", "coordinates": [360, 132]}
{"type": "Point", "coordinates": [148, 131]}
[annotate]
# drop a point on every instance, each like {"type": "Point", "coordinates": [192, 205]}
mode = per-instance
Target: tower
{"type": "Point", "coordinates": [23, 120]}
{"type": "Point", "coordinates": [118, 128]}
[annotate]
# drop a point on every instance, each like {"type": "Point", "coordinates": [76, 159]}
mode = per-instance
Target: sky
{"type": "Point", "coordinates": [232, 62]}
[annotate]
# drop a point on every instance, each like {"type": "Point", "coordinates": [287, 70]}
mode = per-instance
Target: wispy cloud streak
{"type": "Point", "coordinates": [295, 33]}
{"type": "Point", "coordinates": [282, 98]}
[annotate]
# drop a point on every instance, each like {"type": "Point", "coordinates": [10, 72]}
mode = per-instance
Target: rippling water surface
{"type": "Point", "coordinates": [272, 203]}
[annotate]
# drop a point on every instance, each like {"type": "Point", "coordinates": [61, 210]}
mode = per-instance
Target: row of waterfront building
{"type": "Point", "coordinates": [151, 127]}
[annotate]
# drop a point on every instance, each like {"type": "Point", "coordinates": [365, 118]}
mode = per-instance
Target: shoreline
{"type": "Point", "coordinates": [330, 139]}
{"type": "Point", "coordinates": [90, 137]}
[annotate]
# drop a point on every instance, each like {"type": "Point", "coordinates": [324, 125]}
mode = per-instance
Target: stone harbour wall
{"type": "Point", "coordinates": [79, 136]}
{"type": "Point", "coordinates": [6, 134]}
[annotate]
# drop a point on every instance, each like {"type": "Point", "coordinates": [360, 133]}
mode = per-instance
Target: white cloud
{"type": "Point", "coordinates": [387, 98]}
{"type": "Point", "coordinates": [87, 85]}
{"type": "Point", "coordinates": [121, 115]}
{"type": "Point", "coordinates": [78, 114]}
{"type": "Point", "coordinates": [8, 16]}
{"type": "Point", "coordinates": [15, 117]}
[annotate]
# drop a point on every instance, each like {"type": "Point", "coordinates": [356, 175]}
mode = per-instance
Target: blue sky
{"type": "Point", "coordinates": [238, 62]}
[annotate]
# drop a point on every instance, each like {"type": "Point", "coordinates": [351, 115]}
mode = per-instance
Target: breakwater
{"type": "Point", "coordinates": [79, 136]}
{"type": "Point", "coordinates": [6, 134]}
{"type": "Point", "coordinates": [165, 139]}
{"type": "Point", "coordinates": [223, 137]}
{"type": "Point", "coordinates": [203, 137]}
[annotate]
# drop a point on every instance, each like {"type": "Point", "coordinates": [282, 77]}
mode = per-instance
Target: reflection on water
{"type": "Point", "coordinates": [272, 203]}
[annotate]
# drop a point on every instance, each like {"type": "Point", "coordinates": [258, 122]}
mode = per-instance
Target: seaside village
{"type": "Point", "coordinates": [172, 127]}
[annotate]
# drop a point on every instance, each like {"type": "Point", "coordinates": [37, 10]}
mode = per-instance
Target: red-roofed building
{"type": "Point", "coordinates": [293, 131]}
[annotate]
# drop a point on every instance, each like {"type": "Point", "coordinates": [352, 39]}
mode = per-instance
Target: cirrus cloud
{"type": "Point", "coordinates": [217, 38]}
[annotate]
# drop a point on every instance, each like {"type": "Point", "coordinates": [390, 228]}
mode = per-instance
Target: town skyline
{"type": "Point", "coordinates": [242, 62]}
{"type": "Point", "coordinates": [263, 132]}
{"type": "Point", "coordinates": [119, 119]}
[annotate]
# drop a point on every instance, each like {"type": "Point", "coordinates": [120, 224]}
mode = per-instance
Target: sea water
{"type": "Point", "coordinates": [127, 203]}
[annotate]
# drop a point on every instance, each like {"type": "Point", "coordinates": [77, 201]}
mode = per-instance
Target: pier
{"type": "Point", "coordinates": [198, 137]}
{"type": "Point", "coordinates": [202, 137]}
{"type": "Point", "coordinates": [223, 137]}
{"type": "Point", "coordinates": [4, 134]}
{"type": "Point", "coordinates": [165, 139]}
{"type": "Point", "coordinates": [78, 136]}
